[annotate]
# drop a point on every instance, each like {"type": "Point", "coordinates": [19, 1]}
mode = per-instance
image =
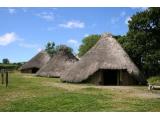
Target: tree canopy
{"type": "Point", "coordinates": [5, 61]}
{"type": "Point", "coordinates": [64, 48]}
{"type": "Point", "coordinates": [50, 48]}
{"type": "Point", "coordinates": [142, 42]}
{"type": "Point", "coordinates": [87, 43]}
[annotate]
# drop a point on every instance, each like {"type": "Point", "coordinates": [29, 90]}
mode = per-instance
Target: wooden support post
{"type": "Point", "coordinates": [2, 75]}
{"type": "Point", "coordinates": [6, 78]}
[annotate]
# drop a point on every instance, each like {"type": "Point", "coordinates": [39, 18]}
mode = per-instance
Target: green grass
{"type": "Point", "coordinates": [8, 66]}
{"type": "Point", "coordinates": [154, 80]}
{"type": "Point", "coordinates": [30, 93]}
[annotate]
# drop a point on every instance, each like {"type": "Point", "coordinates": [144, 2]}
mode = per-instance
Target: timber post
{"type": "Point", "coordinates": [2, 76]}
{"type": "Point", "coordinates": [6, 78]}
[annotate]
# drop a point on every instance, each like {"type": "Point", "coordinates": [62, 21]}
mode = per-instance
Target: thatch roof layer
{"type": "Point", "coordinates": [58, 63]}
{"type": "Point", "coordinates": [107, 53]}
{"type": "Point", "coordinates": [37, 61]}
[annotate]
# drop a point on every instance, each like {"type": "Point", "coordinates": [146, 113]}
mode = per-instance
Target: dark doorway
{"type": "Point", "coordinates": [34, 70]}
{"type": "Point", "coordinates": [110, 77]}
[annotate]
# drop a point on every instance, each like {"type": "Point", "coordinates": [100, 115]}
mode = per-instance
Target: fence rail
{"type": "Point", "coordinates": [4, 77]}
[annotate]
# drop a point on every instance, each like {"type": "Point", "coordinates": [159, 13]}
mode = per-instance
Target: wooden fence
{"type": "Point", "coordinates": [4, 77]}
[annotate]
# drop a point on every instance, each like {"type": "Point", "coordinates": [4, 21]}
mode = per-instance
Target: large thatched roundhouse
{"type": "Point", "coordinates": [33, 65]}
{"type": "Point", "coordinates": [61, 61]}
{"type": "Point", "coordinates": [106, 63]}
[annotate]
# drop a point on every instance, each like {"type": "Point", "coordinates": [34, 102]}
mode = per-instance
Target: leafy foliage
{"type": "Point", "coordinates": [87, 43]}
{"type": "Point", "coordinates": [154, 80]}
{"type": "Point", "coordinates": [9, 66]}
{"type": "Point", "coordinates": [142, 41]}
{"type": "Point", "coordinates": [50, 48]}
{"type": "Point", "coordinates": [5, 61]}
{"type": "Point", "coordinates": [64, 48]}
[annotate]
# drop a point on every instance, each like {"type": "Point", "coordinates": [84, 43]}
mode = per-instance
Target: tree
{"type": "Point", "coordinates": [142, 41]}
{"type": "Point", "coordinates": [5, 61]}
{"type": "Point", "coordinates": [50, 48]}
{"type": "Point", "coordinates": [87, 43]}
{"type": "Point", "coordinates": [64, 48]}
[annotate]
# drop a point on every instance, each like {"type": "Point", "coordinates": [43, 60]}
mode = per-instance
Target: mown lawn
{"type": "Point", "coordinates": [30, 93]}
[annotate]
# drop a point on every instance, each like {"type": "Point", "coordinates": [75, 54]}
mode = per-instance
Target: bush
{"type": "Point", "coordinates": [154, 80]}
{"type": "Point", "coordinates": [9, 66]}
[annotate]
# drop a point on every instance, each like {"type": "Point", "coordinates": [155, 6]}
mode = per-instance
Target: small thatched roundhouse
{"type": "Point", "coordinates": [106, 63]}
{"type": "Point", "coordinates": [58, 64]}
{"type": "Point", "coordinates": [33, 65]}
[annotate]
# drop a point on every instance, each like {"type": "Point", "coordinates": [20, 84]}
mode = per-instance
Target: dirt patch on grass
{"type": "Point", "coordinates": [122, 91]}
{"type": "Point", "coordinates": [133, 91]}
{"type": "Point", "coordinates": [66, 86]}
{"type": "Point", "coordinates": [29, 76]}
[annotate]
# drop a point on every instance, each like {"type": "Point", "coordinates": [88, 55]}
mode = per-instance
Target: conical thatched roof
{"type": "Point", "coordinates": [106, 54]}
{"type": "Point", "coordinates": [58, 63]}
{"type": "Point", "coordinates": [37, 61]}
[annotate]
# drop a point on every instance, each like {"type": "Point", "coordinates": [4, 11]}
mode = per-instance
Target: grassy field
{"type": "Point", "coordinates": [30, 93]}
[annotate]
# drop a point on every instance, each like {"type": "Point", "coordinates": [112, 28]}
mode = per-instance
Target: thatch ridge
{"type": "Point", "coordinates": [58, 63]}
{"type": "Point", "coordinates": [107, 53]}
{"type": "Point", "coordinates": [37, 61]}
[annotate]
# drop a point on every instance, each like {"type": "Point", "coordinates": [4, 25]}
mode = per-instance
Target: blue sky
{"type": "Point", "coordinates": [25, 31]}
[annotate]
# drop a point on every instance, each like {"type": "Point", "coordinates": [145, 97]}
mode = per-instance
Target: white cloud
{"type": "Point", "coordinates": [8, 38]}
{"type": "Point", "coordinates": [73, 24]}
{"type": "Point", "coordinates": [118, 18]}
{"type": "Point", "coordinates": [27, 45]}
{"type": "Point", "coordinates": [74, 44]}
{"type": "Point", "coordinates": [86, 35]}
{"type": "Point", "coordinates": [48, 16]}
{"type": "Point", "coordinates": [11, 10]}
{"type": "Point", "coordinates": [123, 13]}
{"type": "Point", "coordinates": [39, 49]}
{"type": "Point", "coordinates": [127, 19]}
{"type": "Point", "coordinates": [72, 41]}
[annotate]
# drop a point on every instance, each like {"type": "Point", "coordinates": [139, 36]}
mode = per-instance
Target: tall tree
{"type": "Point", "coordinates": [142, 41]}
{"type": "Point", "coordinates": [64, 48]}
{"type": "Point", "coordinates": [5, 61]}
{"type": "Point", "coordinates": [87, 43]}
{"type": "Point", "coordinates": [50, 48]}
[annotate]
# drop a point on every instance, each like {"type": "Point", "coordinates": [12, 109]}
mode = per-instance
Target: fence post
{"type": "Point", "coordinates": [2, 75]}
{"type": "Point", "coordinates": [6, 78]}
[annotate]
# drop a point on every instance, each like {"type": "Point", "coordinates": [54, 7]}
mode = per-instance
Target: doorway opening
{"type": "Point", "coordinates": [34, 70]}
{"type": "Point", "coordinates": [110, 77]}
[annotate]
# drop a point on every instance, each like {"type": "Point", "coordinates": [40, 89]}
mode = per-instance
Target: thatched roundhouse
{"type": "Point", "coordinates": [33, 65]}
{"type": "Point", "coordinates": [106, 63]}
{"type": "Point", "coordinates": [61, 61]}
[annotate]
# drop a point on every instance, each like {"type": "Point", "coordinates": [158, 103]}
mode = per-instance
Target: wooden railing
{"type": "Point", "coordinates": [4, 77]}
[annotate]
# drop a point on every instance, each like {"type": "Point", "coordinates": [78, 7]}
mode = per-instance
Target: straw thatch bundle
{"type": "Point", "coordinates": [58, 63]}
{"type": "Point", "coordinates": [106, 54]}
{"type": "Point", "coordinates": [36, 62]}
